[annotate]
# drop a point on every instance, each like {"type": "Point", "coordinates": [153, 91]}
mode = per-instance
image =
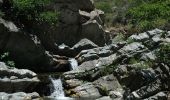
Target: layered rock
{"type": "Point", "coordinates": [17, 80]}
{"type": "Point", "coordinates": [19, 96]}
{"type": "Point", "coordinates": [122, 70]}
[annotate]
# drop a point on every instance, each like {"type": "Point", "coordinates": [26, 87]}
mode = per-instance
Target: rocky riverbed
{"type": "Point", "coordinates": [80, 60]}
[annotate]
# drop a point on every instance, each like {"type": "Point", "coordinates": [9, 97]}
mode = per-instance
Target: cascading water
{"type": "Point", "coordinates": [73, 63]}
{"type": "Point", "coordinates": [58, 91]}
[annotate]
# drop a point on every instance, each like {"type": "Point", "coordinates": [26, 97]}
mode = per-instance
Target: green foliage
{"type": "Point", "coordinates": [4, 58]}
{"type": "Point", "coordinates": [150, 14]}
{"type": "Point", "coordinates": [163, 54]}
{"type": "Point", "coordinates": [49, 16]}
{"type": "Point", "coordinates": [34, 10]}
{"type": "Point", "coordinates": [104, 6]}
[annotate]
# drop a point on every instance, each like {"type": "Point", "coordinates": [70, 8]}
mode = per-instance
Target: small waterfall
{"type": "Point", "coordinates": [73, 63]}
{"type": "Point", "coordinates": [58, 88]}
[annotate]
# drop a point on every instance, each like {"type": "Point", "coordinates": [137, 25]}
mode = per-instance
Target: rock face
{"type": "Point", "coordinates": [17, 80]}
{"type": "Point", "coordinates": [126, 70]}
{"type": "Point", "coordinates": [78, 19]}
{"type": "Point", "coordinates": [26, 52]}
{"type": "Point", "coordinates": [19, 96]}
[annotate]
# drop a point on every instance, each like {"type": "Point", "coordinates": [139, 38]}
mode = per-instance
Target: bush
{"type": "Point", "coordinates": [33, 10]}
{"type": "Point", "coordinates": [163, 54]}
{"type": "Point", "coordinates": [149, 15]}
{"type": "Point", "coordinates": [104, 6]}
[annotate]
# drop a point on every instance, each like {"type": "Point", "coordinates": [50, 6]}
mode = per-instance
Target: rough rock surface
{"type": "Point", "coordinates": [19, 96]}
{"type": "Point", "coordinates": [17, 80]}
{"type": "Point", "coordinates": [79, 19]}
{"type": "Point", "coordinates": [123, 70]}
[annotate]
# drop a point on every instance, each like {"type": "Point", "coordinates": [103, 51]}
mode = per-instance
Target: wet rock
{"type": "Point", "coordinates": [19, 96]}
{"type": "Point", "coordinates": [17, 80]}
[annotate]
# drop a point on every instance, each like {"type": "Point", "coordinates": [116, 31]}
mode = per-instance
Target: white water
{"type": "Point", "coordinates": [58, 88]}
{"type": "Point", "coordinates": [73, 63]}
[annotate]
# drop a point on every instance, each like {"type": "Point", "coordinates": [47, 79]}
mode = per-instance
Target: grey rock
{"type": "Point", "coordinates": [87, 90]}
{"type": "Point", "coordinates": [104, 98]}
{"type": "Point", "coordinates": [158, 96]}
{"type": "Point", "coordinates": [84, 44]}
{"type": "Point", "coordinates": [19, 96]}
{"type": "Point", "coordinates": [17, 80]}
{"type": "Point", "coordinates": [108, 83]}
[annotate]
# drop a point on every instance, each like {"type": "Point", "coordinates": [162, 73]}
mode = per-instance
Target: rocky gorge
{"type": "Point", "coordinates": [78, 59]}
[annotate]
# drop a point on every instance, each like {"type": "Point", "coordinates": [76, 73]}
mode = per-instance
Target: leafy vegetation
{"type": "Point", "coordinates": [5, 58]}
{"type": "Point", "coordinates": [163, 54]}
{"type": "Point", "coordinates": [141, 15]}
{"type": "Point", "coordinates": [33, 10]}
{"type": "Point", "coordinates": [149, 15]}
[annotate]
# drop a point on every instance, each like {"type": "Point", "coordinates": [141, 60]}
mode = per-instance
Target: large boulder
{"type": "Point", "coordinates": [17, 80]}
{"type": "Point", "coordinates": [24, 51]}
{"type": "Point", "coordinates": [78, 19]}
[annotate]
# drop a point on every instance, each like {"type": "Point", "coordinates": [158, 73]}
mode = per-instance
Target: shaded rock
{"type": "Point", "coordinates": [146, 91]}
{"type": "Point", "coordinates": [158, 96]}
{"type": "Point", "coordinates": [92, 30]}
{"type": "Point", "coordinates": [17, 80]}
{"type": "Point", "coordinates": [26, 53]}
{"type": "Point", "coordinates": [19, 96]}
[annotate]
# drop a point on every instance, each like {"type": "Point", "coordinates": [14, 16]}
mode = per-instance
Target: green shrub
{"type": "Point", "coordinates": [34, 10]}
{"type": "Point", "coordinates": [5, 58]}
{"type": "Point", "coordinates": [49, 16]}
{"type": "Point", "coordinates": [104, 6]}
{"type": "Point", "coordinates": [149, 15]}
{"type": "Point", "coordinates": [163, 54]}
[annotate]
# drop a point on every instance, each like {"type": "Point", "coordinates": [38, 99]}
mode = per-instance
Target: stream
{"type": "Point", "coordinates": [56, 88]}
